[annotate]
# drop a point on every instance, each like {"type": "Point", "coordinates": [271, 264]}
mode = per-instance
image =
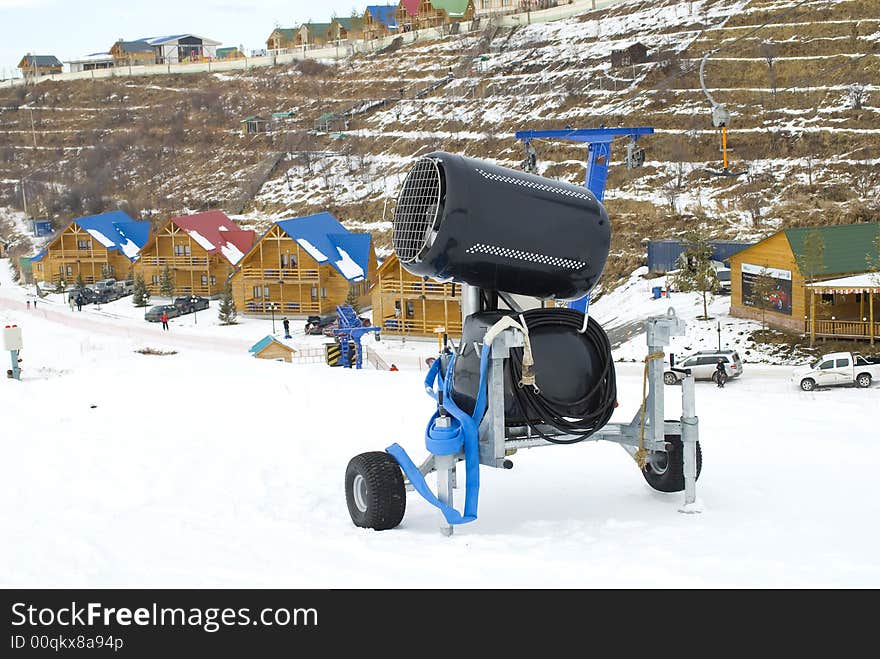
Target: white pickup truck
{"type": "Point", "coordinates": [836, 370]}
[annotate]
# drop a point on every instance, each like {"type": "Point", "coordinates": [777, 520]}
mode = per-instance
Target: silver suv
{"type": "Point", "coordinates": [703, 364]}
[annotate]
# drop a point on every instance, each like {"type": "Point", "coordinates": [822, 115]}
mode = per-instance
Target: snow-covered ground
{"type": "Point", "coordinates": [209, 467]}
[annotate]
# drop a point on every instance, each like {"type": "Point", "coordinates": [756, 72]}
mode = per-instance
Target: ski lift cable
{"type": "Point", "coordinates": [715, 51]}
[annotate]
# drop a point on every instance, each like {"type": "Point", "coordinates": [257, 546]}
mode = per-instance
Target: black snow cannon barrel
{"type": "Point", "coordinates": [498, 229]}
{"type": "Point", "coordinates": [466, 220]}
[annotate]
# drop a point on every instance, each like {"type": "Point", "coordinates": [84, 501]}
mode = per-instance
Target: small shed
{"type": "Point", "coordinates": [281, 38]}
{"type": "Point", "coordinates": [229, 53]}
{"type": "Point", "coordinates": [637, 53]}
{"type": "Point", "coordinates": [271, 348]}
{"type": "Point", "coordinates": [39, 65]}
{"type": "Point", "coordinates": [255, 124]}
{"type": "Point", "coordinates": [329, 122]}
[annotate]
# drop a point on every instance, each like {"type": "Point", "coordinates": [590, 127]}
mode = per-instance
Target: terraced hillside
{"type": "Point", "coordinates": [801, 78]}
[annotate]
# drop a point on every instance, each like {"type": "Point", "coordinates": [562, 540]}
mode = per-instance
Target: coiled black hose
{"type": "Point", "coordinates": [601, 399]}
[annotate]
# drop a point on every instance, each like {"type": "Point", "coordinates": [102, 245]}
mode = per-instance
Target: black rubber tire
{"type": "Point", "coordinates": [385, 497]}
{"type": "Point", "coordinates": [808, 384]}
{"type": "Point", "coordinates": [863, 380]}
{"type": "Point", "coordinates": [669, 378]}
{"type": "Point", "coordinates": [672, 478]}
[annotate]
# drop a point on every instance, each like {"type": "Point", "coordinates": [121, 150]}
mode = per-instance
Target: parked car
{"type": "Point", "coordinates": [703, 365]}
{"type": "Point", "coordinates": [838, 369]}
{"type": "Point", "coordinates": [154, 315]}
{"type": "Point", "coordinates": [315, 325]}
{"type": "Point", "coordinates": [189, 303]}
{"type": "Point", "coordinates": [84, 295]}
{"type": "Point", "coordinates": [107, 294]}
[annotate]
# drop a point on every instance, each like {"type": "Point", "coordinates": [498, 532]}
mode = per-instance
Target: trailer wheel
{"type": "Point", "coordinates": [667, 473]}
{"type": "Point", "coordinates": [374, 491]}
{"type": "Point", "coordinates": [669, 378]}
{"type": "Point", "coordinates": [808, 384]}
{"type": "Point", "coordinates": [864, 380]}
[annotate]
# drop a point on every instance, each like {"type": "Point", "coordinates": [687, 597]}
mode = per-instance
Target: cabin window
{"type": "Point", "coordinates": [314, 293]}
{"type": "Point", "coordinates": [266, 292]}
{"type": "Point", "coordinates": [181, 250]}
{"type": "Point", "coordinates": [828, 298]}
{"type": "Point", "coordinates": [410, 310]}
{"type": "Point", "coordinates": [40, 267]}
{"type": "Point", "coordinates": [83, 244]}
{"type": "Point", "coordinates": [323, 293]}
{"type": "Point", "coordinates": [155, 280]}
{"type": "Point", "coordinates": [283, 261]}
{"type": "Point", "coordinates": [204, 280]}
{"type": "Point", "coordinates": [258, 292]}
{"type": "Point", "coordinates": [69, 271]}
{"type": "Point", "coordinates": [213, 280]}
{"type": "Point", "coordinates": [292, 259]}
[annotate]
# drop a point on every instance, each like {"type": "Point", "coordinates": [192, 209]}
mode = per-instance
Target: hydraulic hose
{"type": "Point", "coordinates": [601, 399]}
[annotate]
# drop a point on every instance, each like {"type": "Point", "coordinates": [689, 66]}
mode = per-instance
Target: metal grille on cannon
{"type": "Point", "coordinates": [417, 209]}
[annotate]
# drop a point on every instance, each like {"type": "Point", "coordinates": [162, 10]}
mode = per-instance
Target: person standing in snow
{"type": "Point", "coordinates": [164, 320]}
{"type": "Point", "coordinates": [79, 303]}
{"type": "Point", "coordinates": [28, 304]}
{"type": "Point", "coordinates": [286, 324]}
{"type": "Point", "coordinates": [720, 373]}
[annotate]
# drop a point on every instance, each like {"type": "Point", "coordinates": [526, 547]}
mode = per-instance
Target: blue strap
{"type": "Point", "coordinates": [463, 432]}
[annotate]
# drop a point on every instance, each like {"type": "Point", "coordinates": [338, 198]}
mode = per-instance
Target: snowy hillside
{"type": "Point", "coordinates": [800, 78]}
{"type": "Point", "coordinates": [208, 467]}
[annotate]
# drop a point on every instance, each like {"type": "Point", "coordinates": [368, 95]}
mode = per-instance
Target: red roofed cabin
{"type": "Point", "coordinates": [200, 249]}
{"type": "Point", "coordinates": [418, 15]}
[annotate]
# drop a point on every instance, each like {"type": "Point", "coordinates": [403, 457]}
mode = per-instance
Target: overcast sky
{"type": "Point", "coordinates": [72, 28]}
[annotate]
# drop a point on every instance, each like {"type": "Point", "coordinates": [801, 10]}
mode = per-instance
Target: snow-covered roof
{"type": "Point", "coordinates": [116, 231]}
{"type": "Point", "coordinates": [327, 241]}
{"type": "Point", "coordinates": [217, 234]}
{"type": "Point", "coordinates": [852, 284]}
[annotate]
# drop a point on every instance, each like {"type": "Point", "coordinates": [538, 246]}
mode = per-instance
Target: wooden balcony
{"type": "Point", "coordinates": [288, 306]}
{"type": "Point", "coordinates": [287, 275]}
{"type": "Point", "coordinates": [842, 329]}
{"type": "Point", "coordinates": [175, 261]}
{"type": "Point", "coordinates": [430, 289]}
{"type": "Point", "coordinates": [419, 326]}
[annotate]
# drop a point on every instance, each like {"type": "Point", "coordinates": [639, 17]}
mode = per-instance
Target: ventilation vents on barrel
{"type": "Point", "coordinates": [418, 210]}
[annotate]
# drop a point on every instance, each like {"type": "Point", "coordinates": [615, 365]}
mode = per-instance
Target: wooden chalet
{"type": "Point", "coordinates": [132, 53]}
{"type": "Point", "coordinates": [406, 304]}
{"type": "Point", "coordinates": [201, 250]}
{"type": "Point", "coordinates": [418, 15]}
{"type": "Point", "coordinates": [94, 248]}
{"type": "Point", "coordinates": [636, 53]}
{"type": "Point", "coordinates": [304, 266]}
{"type": "Point", "coordinates": [32, 66]}
{"type": "Point", "coordinates": [282, 38]}
{"type": "Point", "coordinates": [271, 348]}
{"type": "Point", "coordinates": [839, 303]}
{"type": "Point", "coordinates": [312, 35]}
{"type": "Point", "coordinates": [456, 10]}
{"type": "Point", "coordinates": [350, 28]}
{"type": "Point", "coordinates": [379, 21]}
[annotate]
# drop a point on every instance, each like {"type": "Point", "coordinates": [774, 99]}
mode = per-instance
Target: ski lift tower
{"type": "Point", "coordinates": [598, 141]}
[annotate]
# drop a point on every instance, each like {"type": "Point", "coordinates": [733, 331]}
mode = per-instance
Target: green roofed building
{"type": "Point", "coordinates": [800, 262]}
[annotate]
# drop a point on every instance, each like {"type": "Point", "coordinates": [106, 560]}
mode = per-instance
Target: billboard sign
{"type": "Point", "coordinates": [779, 299]}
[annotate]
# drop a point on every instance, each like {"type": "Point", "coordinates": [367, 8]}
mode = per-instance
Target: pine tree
{"type": "Point", "coordinates": [811, 260]}
{"type": "Point", "coordinates": [227, 313]}
{"type": "Point", "coordinates": [141, 294]}
{"type": "Point", "coordinates": [166, 282]}
{"type": "Point", "coordinates": [80, 282]}
{"type": "Point", "coordinates": [353, 300]}
{"type": "Point", "coordinates": [696, 273]}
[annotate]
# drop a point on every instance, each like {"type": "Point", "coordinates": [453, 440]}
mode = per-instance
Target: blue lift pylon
{"type": "Point", "coordinates": [351, 329]}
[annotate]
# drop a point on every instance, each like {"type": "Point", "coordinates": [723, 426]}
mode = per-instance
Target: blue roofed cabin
{"type": "Point", "coordinates": [305, 266]}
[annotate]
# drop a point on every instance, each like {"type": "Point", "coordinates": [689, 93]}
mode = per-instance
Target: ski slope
{"type": "Point", "coordinates": [210, 468]}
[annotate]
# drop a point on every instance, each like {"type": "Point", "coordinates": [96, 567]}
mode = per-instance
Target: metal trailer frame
{"type": "Point", "coordinates": [497, 442]}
